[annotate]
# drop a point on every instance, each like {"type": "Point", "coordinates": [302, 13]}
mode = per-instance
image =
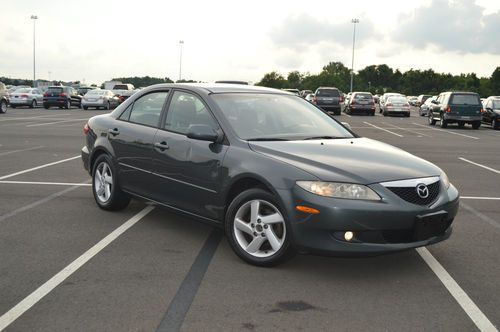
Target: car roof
{"type": "Point", "coordinates": [220, 88]}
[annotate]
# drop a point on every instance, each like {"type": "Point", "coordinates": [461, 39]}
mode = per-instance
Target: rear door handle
{"type": "Point", "coordinates": [161, 146]}
{"type": "Point", "coordinates": [114, 131]}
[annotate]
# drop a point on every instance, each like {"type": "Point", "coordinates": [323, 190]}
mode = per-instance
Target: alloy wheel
{"type": "Point", "coordinates": [259, 228]}
{"type": "Point", "coordinates": [103, 182]}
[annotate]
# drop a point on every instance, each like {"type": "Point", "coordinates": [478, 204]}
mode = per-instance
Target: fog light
{"type": "Point", "coordinates": [348, 235]}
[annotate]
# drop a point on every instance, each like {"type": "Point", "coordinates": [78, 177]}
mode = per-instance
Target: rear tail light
{"type": "Point", "coordinates": [341, 99]}
{"type": "Point", "coordinates": [86, 129]}
{"type": "Point", "coordinates": [24, 95]}
{"type": "Point", "coordinates": [388, 104]}
{"type": "Point", "coordinates": [448, 109]}
{"type": "Point", "coordinates": [45, 94]}
{"type": "Point", "coordinates": [62, 94]}
{"type": "Point", "coordinates": [482, 110]}
{"type": "Point", "coordinates": [314, 100]}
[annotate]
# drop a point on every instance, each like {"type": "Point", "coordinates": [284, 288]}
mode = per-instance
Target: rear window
{"type": "Point", "coordinates": [120, 87]}
{"type": "Point", "coordinates": [23, 90]}
{"type": "Point", "coordinates": [465, 99]}
{"type": "Point", "coordinates": [96, 92]}
{"type": "Point", "coordinates": [397, 100]}
{"type": "Point", "coordinates": [328, 93]}
{"type": "Point", "coordinates": [363, 96]}
{"type": "Point", "coordinates": [55, 89]}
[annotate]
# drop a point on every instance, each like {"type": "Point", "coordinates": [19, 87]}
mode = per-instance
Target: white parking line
{"type": "Point", "coordinates": [33, 117]}
{"type": "Point", "coordinates": [29, 301]}
{"type": "Point", "coordinates": [391, 132]}
{"type": "Point", "coordinates": [22, 150]}
{"type": "Point", "coordinates": [481, 198]}
{"type": "Point", "coordinates": [446, 131]}
{"type": "Point", "coordinates": [48, 183]}
{"type": "Point", "coordinates": [50, 123]}
{"type": "Point", "coordinates": [470, 308]}
{"type": "Point", "coordinates": [408, 130]}
{"type": "Point", "coordinates": [485, 167]}
{"type": "Point", "coordinates": [38, 167]}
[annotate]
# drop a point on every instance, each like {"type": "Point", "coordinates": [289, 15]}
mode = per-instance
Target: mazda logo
{"type": "Point", "coordinates": [422, 191]}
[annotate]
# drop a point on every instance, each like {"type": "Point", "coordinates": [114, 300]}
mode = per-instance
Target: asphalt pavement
{"type": "Point", "coordinates": [67, 265]}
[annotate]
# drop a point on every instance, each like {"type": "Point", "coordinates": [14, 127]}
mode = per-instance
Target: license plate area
{"type": "Point", "coordinates": [430, 225]}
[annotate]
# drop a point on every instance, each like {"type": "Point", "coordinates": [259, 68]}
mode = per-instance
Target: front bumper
{"type": "Point", "coordinates": [379, 227]}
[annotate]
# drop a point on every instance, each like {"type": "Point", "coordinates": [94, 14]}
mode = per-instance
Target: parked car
{"type": "Point", "coordinates": [61, 96]}
{"type": "Point", "coordinates": [424, 108]}
{"type": "Point", "coordinates": [230, 82]}
{"type": "Point", "coordinates": [294, 91]}
{"type": "Point", "coordinates": [100, 99]}
{"type": "Point", "coordinates": [30, 97]}
{"type": "Point", "coordinates": [84, 89]}
{"type": "Point", "coordinates": [310, 97]}
{"type": "Point", "coordinates": [456, 107]}
{"type": "Point", "coordinates": [304, 93]}
{"type": "Point", "coordinates": [361, 102]}
{"type": "Point", "coordinates": [412, 100]}
{"type": "Point", "coordinates": [275, 172]}
{"type": "Point", "coordinates": [421, 100]}
{"type": "Point", "coordinates": [384, 97]}
{"type": "Point", "coordinates": [491, 114]}
{"type": "Point", "coordinates": [123, 91]}
{"type": "Point", "coordinates": [396, 105]}
{"type": "Point", "coordinates": [329, 99]}
{"type": "Point", "coordinates": [4, 98]}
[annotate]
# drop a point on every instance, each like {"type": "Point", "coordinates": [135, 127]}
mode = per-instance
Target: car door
{"type": "Point", "coordinates": [131, 137]}
{"type": "Point", "coordinates": [188, 171]}
{"type": "Point", "coordinates": [488, 111]}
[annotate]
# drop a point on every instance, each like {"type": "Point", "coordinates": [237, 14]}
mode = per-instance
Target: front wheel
{"type": "Point", "coordinates": [33, 104]}
{"type": "Point", "coordinates": [476, 124]}
{"type": "Point", "coordinates": [3, 106]}
{"type": "Point", "coordinates": [432, 122]}
{"type": "Point", "coordinates": [68, 105]}
{"type": "Point", "coordinates": [494, 124]}
{"type": "Point", "coordinates": [107, 192]}
{"type": "Point", "coordinates": [443, 123]}
{"type": "Point", "coordinates": [256, 229]}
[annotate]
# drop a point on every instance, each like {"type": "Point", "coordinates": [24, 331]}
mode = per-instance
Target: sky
{"type": "Point", "coordinates": [94, 41]}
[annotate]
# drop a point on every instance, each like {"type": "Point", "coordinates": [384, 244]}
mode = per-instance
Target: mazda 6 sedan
{"type": "Point", "coordinates": [274, 171]}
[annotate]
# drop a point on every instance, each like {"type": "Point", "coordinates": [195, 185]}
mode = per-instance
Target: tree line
{"type": "Point", "coordinates": [381, 78]}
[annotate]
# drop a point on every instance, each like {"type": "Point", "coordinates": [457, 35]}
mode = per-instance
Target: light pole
{"type": "Point", "coordinates": [353, 21]}
{"type": "Point", "coordinates": [181, 42]}
{"type": "Point", "coordinates": [34, 18]}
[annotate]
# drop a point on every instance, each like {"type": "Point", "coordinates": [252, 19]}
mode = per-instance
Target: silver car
{"type": "Point", "coordinates": [31, 97]}
{"type": "Point", "coordinates": [424, 108]}
{"type": "Point", "coordinates": [100, 99]}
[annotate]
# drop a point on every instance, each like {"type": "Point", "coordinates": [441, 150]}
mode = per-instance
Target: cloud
{"type": "Point", "coordinates": [299, 32]}
{"type": "Point", "coordinates": [458, 25]}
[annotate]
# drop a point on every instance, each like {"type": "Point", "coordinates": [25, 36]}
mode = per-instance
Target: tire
{"type": "Point", "coordinates": [461, 124]}
{"type": "Point", "coordinates": [68, 104]}
{"type": "Point", "coordinates": [46, 106]}
{"type": "Point", "coordinates": [105, 187]}
{"type": "Point", "coordinates": [476, 124]}
{"type": "Point", "coordinates": [108, 106]}
{"type": "Point", "coordinates": [384, 114]}
{"type": "Point", "coordinates": [33, 104]}
{"type": "Point", "coordinates": [245, 236]}
{"type": "Point", "coordinates": [443, 123]}
{"type": "Point", "coordinates": [85, 107]}
{"type": "Point", "coordinates": [3, 106]}
{"type": "Point", "coordinates": [407, 115]}
{"type": "Point", "coordinates": [432, 121]}
{"type": "Point", "coordinates": [494, 124]}
{"type": "Point", "coordinates": [372, 113]}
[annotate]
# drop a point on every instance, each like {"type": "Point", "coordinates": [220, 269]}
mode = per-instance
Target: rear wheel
{"type": "Point", "coordinates": [476, 124]}
{"type": "Point", "coordinates": [108, 106]}
{"type": "Point", "coordinates": [3, 106]}
{"type": "Point", "coordinates": [33, 104]}
{"type": "Point", "coordinates": [461, 124]}
{"type": "Point", "coordinates": [494, 124]}
{"type": "Point", "coordinates": [443, 123]}
{"type": "Point", "coordinates": [256, 229]}
{"type": "Point", "coordinates": [68, 105]}
{"type": "Point", "coordinates": [432, 122]}
{"type": "Point", "coordinates": [46, 106]}
{"type": "Point", "coordinates": [107, 192]}
{"type": "Point", "coordinates": [85, 107]}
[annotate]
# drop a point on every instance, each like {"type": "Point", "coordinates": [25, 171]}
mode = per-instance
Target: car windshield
{"type": "Point", "coordinates": [55, 90]}
{"type": "Point", "coordinates": [277, 117]}
{"type": "Point", "coordinates": [327, 93]}
{"type": "Point", "coordinates": [465, 99]}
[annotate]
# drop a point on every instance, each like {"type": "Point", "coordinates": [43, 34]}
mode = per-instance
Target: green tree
{"type": "Point", "coordinates": [294, 79]}
{"type": "Point", "coordinates": [273, 80]}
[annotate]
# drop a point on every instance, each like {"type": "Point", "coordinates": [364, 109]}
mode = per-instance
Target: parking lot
{"type": "Point", "coordinates": [67, 265]}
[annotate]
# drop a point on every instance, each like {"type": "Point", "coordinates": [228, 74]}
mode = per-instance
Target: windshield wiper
{"type": "Point", "coordinates": [267, 139]}
{"type": "Point", "coordinates": [322, 137]}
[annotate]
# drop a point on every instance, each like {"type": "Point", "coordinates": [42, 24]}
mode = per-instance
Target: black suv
{"type": "Point", "coordinates": [456, 107]}
{"type": "Point", "coordinates": [491, 112]}
{"type": "Point", "coordinates": [62, 96]}
{"type": "Point", "coordinates": [329, 99]}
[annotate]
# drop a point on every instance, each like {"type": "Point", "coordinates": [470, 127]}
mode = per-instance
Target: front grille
{"type": "Point", "coordinates": [410, 195]}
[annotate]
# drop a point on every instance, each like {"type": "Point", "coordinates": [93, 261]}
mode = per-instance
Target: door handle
{"type": "Point", "coordinates": [114, 131]}
{"type": "Point", "coordinates": [161, 146]}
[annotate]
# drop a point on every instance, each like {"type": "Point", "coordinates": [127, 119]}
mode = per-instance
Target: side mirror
{"type": "Point", "coordinates": [203, 133]}
{"type": "Point", "coordinates": [347, 125]}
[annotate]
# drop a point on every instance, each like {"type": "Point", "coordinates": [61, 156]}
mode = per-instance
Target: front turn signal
{"type": "Point", "coordinates": [307, 209]}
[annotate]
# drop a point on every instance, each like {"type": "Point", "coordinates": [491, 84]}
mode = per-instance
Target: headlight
{"type": "Point", "coordinates": [445, 180]}
{"type": "Point", "coordinates": [339, 190]}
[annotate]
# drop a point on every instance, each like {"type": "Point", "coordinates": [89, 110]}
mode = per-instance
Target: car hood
{"type": "Point", "coordinates": [356, 160]}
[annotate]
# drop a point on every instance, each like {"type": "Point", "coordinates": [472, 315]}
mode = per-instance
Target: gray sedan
{"type": "Point", "coordinates": [274, 171]}
{"type": "Point", "coordinates": [105, 99]}
{"type": "Point", "coordinates": [30, 97]}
